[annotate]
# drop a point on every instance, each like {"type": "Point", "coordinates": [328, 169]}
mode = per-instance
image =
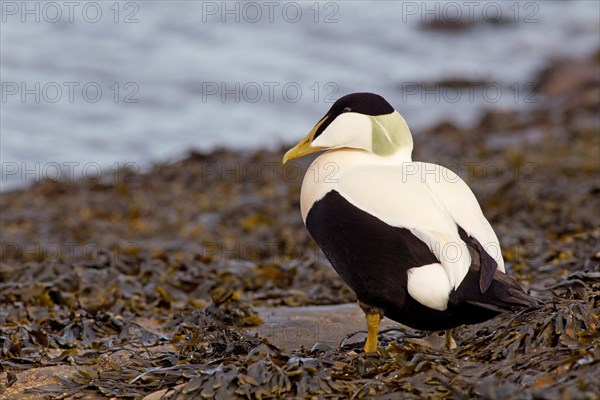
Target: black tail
{"type": "Point", "coordinates": [485, 286]}
{"type": "Point", "coordinates": [504, 295]}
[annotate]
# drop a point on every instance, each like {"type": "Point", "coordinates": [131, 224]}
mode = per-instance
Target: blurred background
{"type": "Point", "coordinates": [126, 239]}
{"type": "Point", "coordinates": [146, 81]}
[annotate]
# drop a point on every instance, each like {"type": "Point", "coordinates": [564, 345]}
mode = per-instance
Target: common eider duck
{"type": "Point", "coordinates": [409, 238]}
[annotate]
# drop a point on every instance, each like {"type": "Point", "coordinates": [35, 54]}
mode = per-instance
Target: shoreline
{"type": "Point", "coordinates": [525, 94]}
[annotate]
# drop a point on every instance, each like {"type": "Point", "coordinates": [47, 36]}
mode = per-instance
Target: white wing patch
{"type": "Point", "coordinates": [429, 286]}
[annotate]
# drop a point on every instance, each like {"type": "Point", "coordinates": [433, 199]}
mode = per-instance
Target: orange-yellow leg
{"type": "Point", "coordinates": [450, 342]}
{"type": "Point", "coordinates": [373, 323]}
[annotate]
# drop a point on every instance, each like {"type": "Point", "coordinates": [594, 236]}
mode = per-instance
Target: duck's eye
{"type": "Point", "coordinates": [347, 109]}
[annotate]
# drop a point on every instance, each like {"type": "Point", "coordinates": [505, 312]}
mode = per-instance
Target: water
{"type": "Point", "coordinates": [164, 77]}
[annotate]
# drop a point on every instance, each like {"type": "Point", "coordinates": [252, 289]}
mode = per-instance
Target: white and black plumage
{"type": "Point", "coordinates": [408, 237]}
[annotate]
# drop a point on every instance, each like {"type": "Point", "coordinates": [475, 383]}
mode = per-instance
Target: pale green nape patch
{"type": "Point", "coordinates": [390, 133]}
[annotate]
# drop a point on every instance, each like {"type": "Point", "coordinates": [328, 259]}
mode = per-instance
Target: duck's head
{"type": "Point", "coordinates": [364, 121]}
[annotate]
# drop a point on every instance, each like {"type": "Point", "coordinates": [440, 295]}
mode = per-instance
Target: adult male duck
{"type": "Point", "coordinates": [408, 237]}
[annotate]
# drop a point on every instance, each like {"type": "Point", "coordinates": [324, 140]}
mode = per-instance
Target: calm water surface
{"type": "Point", "coordinates": [105, 82]}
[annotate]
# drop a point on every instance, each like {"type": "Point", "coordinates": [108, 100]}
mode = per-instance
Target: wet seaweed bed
{"type": "Point", "coordinates": [146, 284]}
